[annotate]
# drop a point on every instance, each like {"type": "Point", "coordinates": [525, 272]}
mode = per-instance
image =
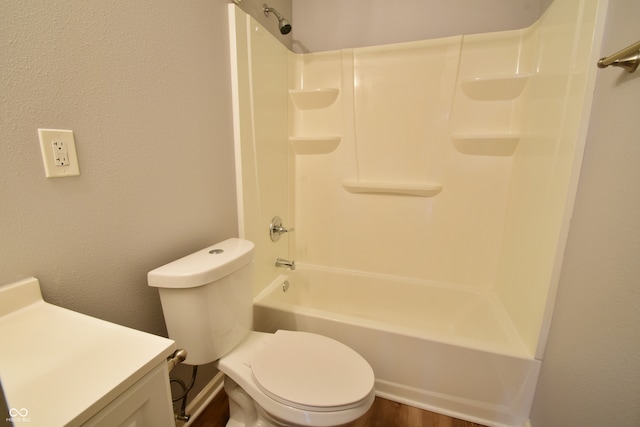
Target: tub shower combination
{"type": "Point", "coordinates": [430, 185]}
{"type": "Point", "coordinates": [430, 345]}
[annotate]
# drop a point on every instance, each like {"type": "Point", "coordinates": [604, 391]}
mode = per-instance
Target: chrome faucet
{"type": "Point", "coordinates": [281, 262]}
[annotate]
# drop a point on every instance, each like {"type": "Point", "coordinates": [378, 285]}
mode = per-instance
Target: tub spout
{"type": "Point", "coordinates": [281, 262]}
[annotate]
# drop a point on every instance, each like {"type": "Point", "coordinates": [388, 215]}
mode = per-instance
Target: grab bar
{"type": "Point", "coordinates": [628, 58]}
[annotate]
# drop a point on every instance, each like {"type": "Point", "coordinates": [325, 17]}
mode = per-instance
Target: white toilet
{"type": "Point", "coordinates": [283, 379]}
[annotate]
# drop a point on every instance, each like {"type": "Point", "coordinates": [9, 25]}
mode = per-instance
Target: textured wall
{"type": "Point", "coordinates": [145, 87]}
{"type": "Point", "coordinates": [334, 24]}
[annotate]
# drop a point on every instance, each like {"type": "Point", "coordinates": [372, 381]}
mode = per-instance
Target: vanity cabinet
{"type": "Point", "coordinates": [145, 404]}
{"type": "Point", "coordinates": [68, 369]}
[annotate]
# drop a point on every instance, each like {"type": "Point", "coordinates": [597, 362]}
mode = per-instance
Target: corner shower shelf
{"type": "Point", "coordinates": [310, 99]}
{"type": "Point", "coordinates": [314, 144]}
{"type": "Point", "coordinates": [405, 189]}
{"type": "Point", "coordinates": [488, 144]}
{"type": "Point", "coordinates": [495, 88]}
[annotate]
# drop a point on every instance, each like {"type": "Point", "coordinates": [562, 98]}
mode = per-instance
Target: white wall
{"type": "Point", "coordinates": [591, 371]}
{"type": "Point", "coordinates": [320, 25]}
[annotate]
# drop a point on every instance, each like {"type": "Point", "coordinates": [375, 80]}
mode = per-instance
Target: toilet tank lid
{"type": "Point", "coordinates": [204, 266]}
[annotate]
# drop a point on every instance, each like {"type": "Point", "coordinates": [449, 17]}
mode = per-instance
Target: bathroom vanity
{"type": "Point", "coordinates": [62, 368]}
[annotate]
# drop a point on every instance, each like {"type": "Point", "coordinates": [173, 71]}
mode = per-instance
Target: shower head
{"type": "Point", "coordinates": [283, 24]}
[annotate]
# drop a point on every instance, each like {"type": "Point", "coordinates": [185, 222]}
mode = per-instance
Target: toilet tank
{"type": "Point", "coordinates": [206, 299]}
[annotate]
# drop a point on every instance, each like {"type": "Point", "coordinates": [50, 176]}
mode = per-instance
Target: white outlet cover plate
{"type": "Point", "coordinates": [47, 137]}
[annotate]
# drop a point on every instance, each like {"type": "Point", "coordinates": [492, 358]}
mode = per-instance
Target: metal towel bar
{"type": "Point", "coordinates": [628, 58]}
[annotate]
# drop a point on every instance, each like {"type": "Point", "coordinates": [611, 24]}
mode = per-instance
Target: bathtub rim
{"type": "Point", "coordinates": [516, 348]}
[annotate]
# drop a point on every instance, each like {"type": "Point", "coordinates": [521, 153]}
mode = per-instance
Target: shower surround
{"type": "Point", "coordinates": [449, 165]}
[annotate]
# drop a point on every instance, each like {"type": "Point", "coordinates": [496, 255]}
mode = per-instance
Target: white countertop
{"type": "Point", "coordinates": [62, 366]}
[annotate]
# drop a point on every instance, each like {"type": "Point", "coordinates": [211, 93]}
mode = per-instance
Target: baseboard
{"type": "Point", "coordinates": [202, 399]}
{"type": "Point", "coordinates": [213, 387]}
{"type": "Point", "coordinates": [475, 411]}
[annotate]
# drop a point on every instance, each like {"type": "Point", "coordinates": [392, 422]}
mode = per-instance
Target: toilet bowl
{"type": "Point", "coordinates": [288, 378]}
{"type": "Point", "coordinates": [297, 379]}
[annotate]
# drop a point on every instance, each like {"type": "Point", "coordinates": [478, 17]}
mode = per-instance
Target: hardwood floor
{"type": "Point", "coordinates": [386, 413]}
{"type": "Point", "coordinates": [216, 414]}
{"type": "Point", "coordinates": [383, 413]}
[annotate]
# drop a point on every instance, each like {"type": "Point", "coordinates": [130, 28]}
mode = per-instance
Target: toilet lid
{"type": "Point", "coordinates": [311, 371]}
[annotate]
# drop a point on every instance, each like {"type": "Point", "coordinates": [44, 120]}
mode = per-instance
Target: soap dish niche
{"type": "Point", "coordinates": [314, 144]}
{"type": "Point", "coordinates": [502, 144]}
{"type": "Point", "coordinates": [310, 99]}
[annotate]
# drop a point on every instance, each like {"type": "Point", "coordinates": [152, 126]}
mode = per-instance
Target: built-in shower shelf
{"type": "Point", "coordinates": [309, 99]}
{"type": "Point", "coordinates": [495, 88]}
{"type": "Point", "coordinates": [314, 144]}
{"type": "Point", "coordinates": [405, 189]}
{"type": "Point", "coordinates": [496, 144]}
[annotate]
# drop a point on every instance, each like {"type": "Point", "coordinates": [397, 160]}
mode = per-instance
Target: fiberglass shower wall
{"type": "Point", "coordinates": [259, 82]}
{"type": "Point", "coordinates": [452, 160]}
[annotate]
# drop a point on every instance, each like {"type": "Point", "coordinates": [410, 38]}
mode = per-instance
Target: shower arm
{"type": "Point", "coordinates": [268, 10]}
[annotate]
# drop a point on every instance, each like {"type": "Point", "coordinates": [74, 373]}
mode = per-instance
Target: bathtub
{"type": "Point", "coordinates": [443, 348]}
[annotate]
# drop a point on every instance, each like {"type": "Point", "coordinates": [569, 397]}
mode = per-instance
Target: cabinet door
{"type": "Point", "coordinates": [146, 404]}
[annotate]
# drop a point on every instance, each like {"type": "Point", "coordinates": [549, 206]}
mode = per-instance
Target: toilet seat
{"type": "Point", "coordinates": [237, 367]}
{"type": "Point", "coordinates": [311, 372]}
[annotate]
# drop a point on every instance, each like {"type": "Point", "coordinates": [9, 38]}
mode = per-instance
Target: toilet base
{"type": "Point", "coordinates": [244, 411]}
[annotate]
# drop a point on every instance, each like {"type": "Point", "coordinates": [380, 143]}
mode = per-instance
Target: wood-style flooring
{"type": "Point", "coordinates": [383, 413]}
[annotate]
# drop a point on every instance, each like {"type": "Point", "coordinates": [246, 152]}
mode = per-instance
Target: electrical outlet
{"type": "Point", "coordinates": [58, 150]}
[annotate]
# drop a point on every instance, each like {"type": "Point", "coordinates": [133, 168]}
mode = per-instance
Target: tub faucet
{"type": "Point", "coordinates": [281, 262]}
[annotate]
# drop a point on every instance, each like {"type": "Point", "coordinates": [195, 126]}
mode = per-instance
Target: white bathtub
{"type": "Point", "coordinates": [437, 347]}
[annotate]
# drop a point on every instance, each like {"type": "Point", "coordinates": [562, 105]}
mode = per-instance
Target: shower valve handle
{"type": "Point", "coordinates": [276, 229]}
{"type": "Point", "coordinates": [283, 230]}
